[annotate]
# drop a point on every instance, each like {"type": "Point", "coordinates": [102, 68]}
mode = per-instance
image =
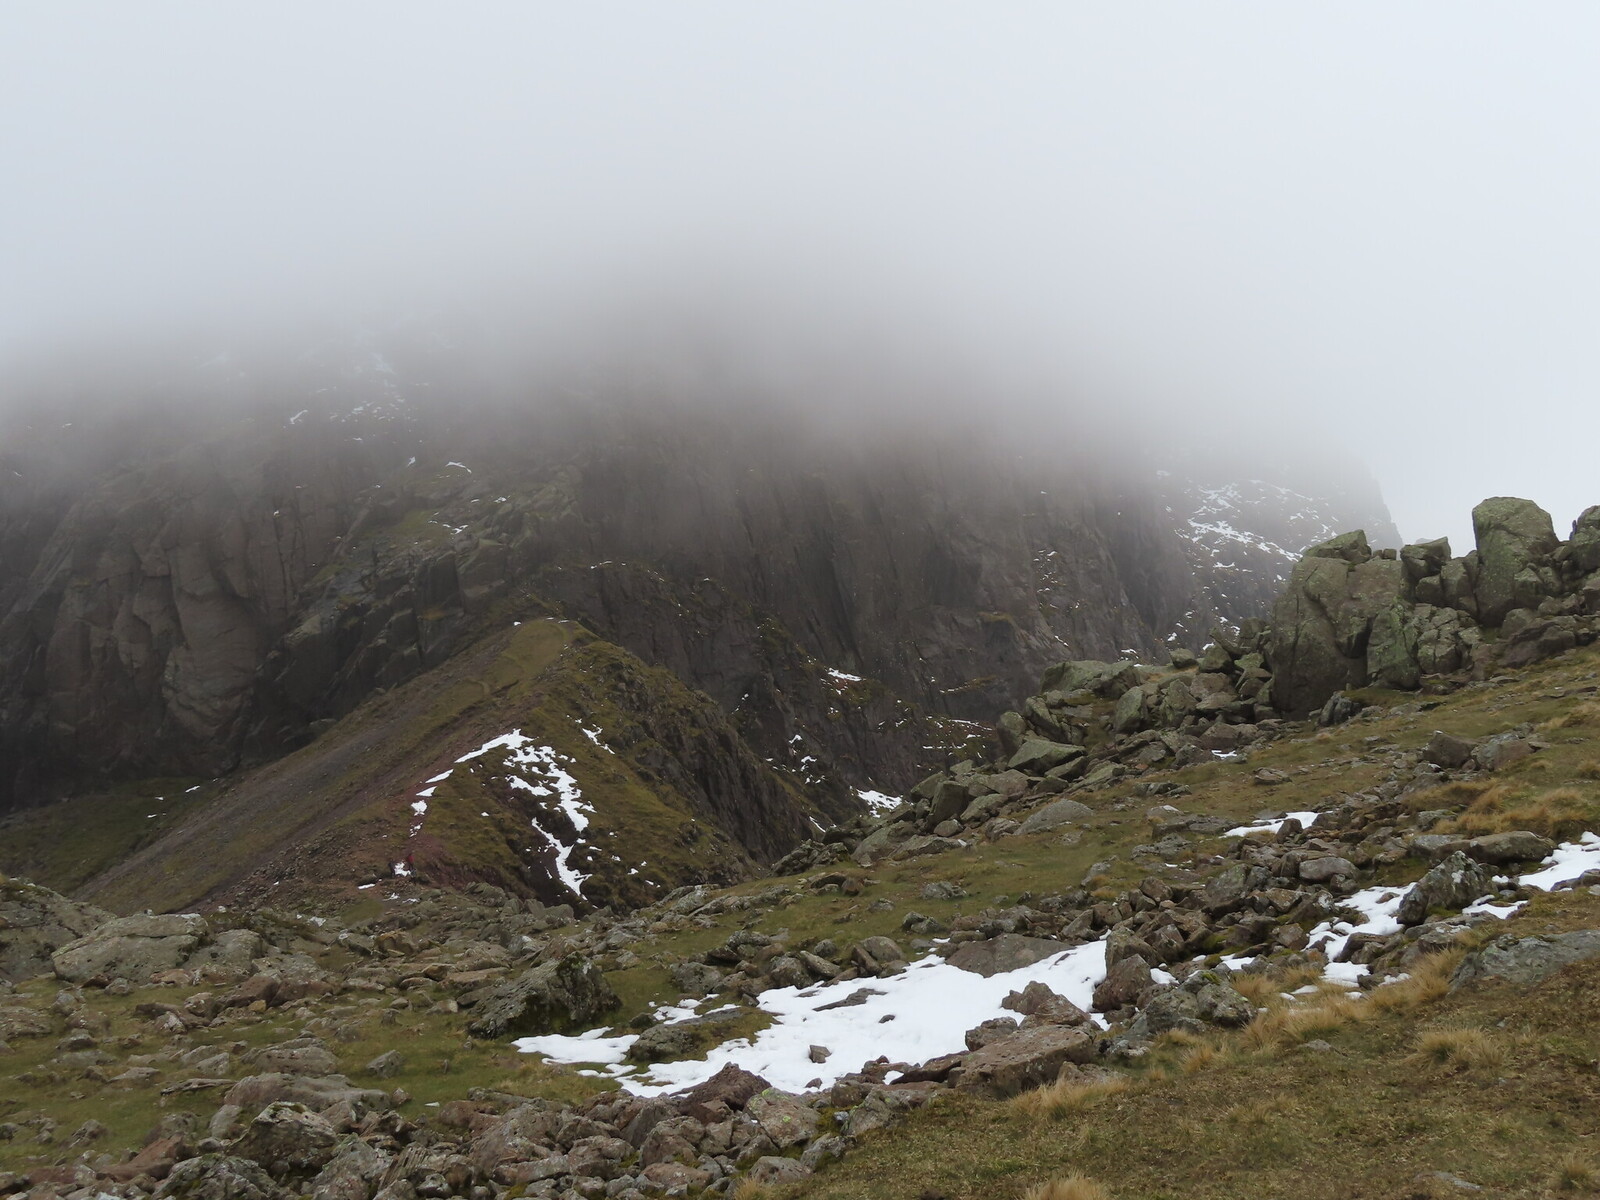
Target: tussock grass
{"type": "Point", "coordinates": [1289, 1025]}
{"type": "Point", "coordinates": [1578, 714]}
{"type": "Point", "coordinates": [1560, 813]}
{"type": "Point", "coordinates": [1067, 1187]}
{"type": "Point", "coordinates": [1069, 1094]}
{"type": "Point", "coordinates": [1259, 989]}
{"type": "Point", "coordinates": [1589, 769]}
{"type": "Point", "coordinates": [1576, 1172]}
{"type": "Point", "coordinates": [1458, 794]}
{"type": "Point", "coordinates": [1463, 1049]}
{"type": "Point", "coordinates": [1429, 981]}
{"type": "Point", "coordinates": [749, 1189]}
{"type": "Point", "coordinates": [1201, 1057]}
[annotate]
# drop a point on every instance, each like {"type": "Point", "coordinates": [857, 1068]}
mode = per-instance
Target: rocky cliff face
{"type": "Point", "coordinates": [220, 592]}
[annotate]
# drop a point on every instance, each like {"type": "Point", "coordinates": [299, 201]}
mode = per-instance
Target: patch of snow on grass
{"type": "Point", "coordinates": [1306, 819]}
{"type": "Point", "coordinates": [910, 1017]}
{"type": "Point", "coordinates": [842, 676]}
{"type": "Point", "coordinates": [537, 770]}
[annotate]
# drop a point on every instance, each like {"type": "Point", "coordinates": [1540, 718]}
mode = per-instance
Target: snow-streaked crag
{"type": "Point", "coordinates": [1243, 534]}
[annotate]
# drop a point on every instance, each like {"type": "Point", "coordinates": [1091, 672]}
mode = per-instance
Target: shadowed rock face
{"type": "Point", "coordinates": [206, 606]}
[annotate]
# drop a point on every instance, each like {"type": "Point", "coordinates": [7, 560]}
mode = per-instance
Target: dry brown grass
{"type": "Point", "coordinates": [1067, 1187]}
{"type": "Point", "coordinates": [1201, 1057]}
{"type": "Point", "coordinates": [1576, 1172]}
{"type": "Point", "coordinates": [1578, 714]}
{"type": "Point", "coordinates": [1462, 1049]}
{"type": "Point", "coordinates": [1291, 1024]}
{"type": "Point", "coordinates": [749, 1189]}
{"type": "Point", "coordinates": [1428, 981]}
{"type": "Point", "coordinates": [1589, 770]}
{"type": "Point", "coordinates": [1559, 813]}
{"type": "Point", "coordinates": [1449, 795]}
{"type": "Point", "coordinates": [1069, 1094]}
{"type": "Point", "coordinates": [1260, 990]}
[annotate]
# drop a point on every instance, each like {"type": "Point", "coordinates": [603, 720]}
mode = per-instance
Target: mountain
{"type": "Point", "coordinates": [219, 576]}
{"type": "Point", "coordinates": [1161, 940]}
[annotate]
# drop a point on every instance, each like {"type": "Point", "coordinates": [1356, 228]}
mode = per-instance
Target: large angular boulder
{"type": "Point", "coordinates": [288, 1139]}
{"type": "Point", "coordinates": [1512, 534]}
{"type": "Point", "coordinates": [1322, 621]}
{"type": "Point", "coordinates": [1453, 884]}
{"type": "Point", "coordinates": [36, 922]}
{"type": "Point", "coordinates": [219, 1177]}
{"type": "Point", "coordinates": [1108, 679]}
{"type": "Point", "coordinates": [1585, 552]}
{"type": "Point", "coordinates": [554, 998]}
{"type": "Point", "coordinates": [132, 948]}
{"type": "Point", "coordinates": [1026, 1059]}
{"type": "Point", "coordinates": [1056, 814]}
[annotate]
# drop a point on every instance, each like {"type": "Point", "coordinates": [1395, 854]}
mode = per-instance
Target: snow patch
{"type": "Point", "coordinates": [911, 1017]}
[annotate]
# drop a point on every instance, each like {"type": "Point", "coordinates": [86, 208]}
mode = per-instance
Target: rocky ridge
{"type": "Point", "coordinates": [1193, 916]}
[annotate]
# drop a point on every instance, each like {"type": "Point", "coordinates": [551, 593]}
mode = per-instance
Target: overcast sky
{"type": "Point", "coordinates": [1365, 224]}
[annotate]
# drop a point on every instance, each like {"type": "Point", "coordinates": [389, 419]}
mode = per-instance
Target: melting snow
{"type": "Point", "coordinates": [1306, 820]}
{"type": "Point", "coordinates": [910, 1017]}
{"type": "Point", "coordinates": [879, 802]}
{"type": "Point", "coordinates": [1570, 860]}
{"type": "Point", "coordinates": [842, 677]}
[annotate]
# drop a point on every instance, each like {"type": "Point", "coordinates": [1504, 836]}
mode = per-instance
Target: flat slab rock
{"type": "Point", "coordinates": [1007, 952]}
{"type": "Point", "coordinates": [1529, 960]}
{"type": "Point", "coordinates": [1026, 1059]}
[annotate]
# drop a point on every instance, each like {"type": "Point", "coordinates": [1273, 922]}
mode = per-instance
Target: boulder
{"type": "Point", "coordinates": [1528, 960]}
{"type": "Point", "coordinates": [1125, 983]}
{"type": "Point", "coordinates": [1107, 679]}
{"type": "Point", "coordinates": [681, 1039]}
{"type": "Point", "coordinates": [288, 1139]}
{"type": "Point", "coordinates": [1585, 540]}
{"type": "Point", "coordinates": [1538, 640]}
{"type": "Point", "coordinates": [1447, 751]}
{"type": "Point", "coordinates": [1513, 846]}
{"type": "Point", "coordinates": [219, 1177]}
{"type": "Point", "coordinates": [992, 1030]}
{"type": "Point", "coordinates": [1037, 755]}
{"type": "Point", "coordinates": [1026, 1059]}
{"type": "Point", "coordinates": [1205, 999]}
{"type": "Point", "coordinates": [1325, 868]}
{"type": "Point", "coordinates": [36, 922]}
{"type": "Point", "coordinates": [352, 1174]}
{"type": "Point", "coordinates": [315, 1092]}
{"type": "Point", "coordinates": [1039, 1005]}
{"type": "Point", "coordinates": [1055, 815]}
{"type": "Point", "coordinates": [1008, 952]}
{"type": "Point", "coordinates": [132, 948]}
{"type": "Point", "coordinates": [1453, 884]}
{"type": "Point", "coordinates": [732, 1086]}
{"type": "Point", "coordinates": [1512, 534]}
{"type": "Point", "coordinates": [784, 1118]}
{"type": "Point", "coordinates": [1323, 619]}
{"type": "Point", "coordinates": [554, 998]}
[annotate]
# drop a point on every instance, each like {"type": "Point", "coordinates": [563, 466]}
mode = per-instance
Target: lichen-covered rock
{"type": "Point", "coordinates": [1512, 535]}
{"type": "Point", "coordinates": [1322, 622]}
{"type": "Point", "coordinates": [36, 922]}
{"type": "Point", "coordinates": [132, 948]}
{"type": "Point", "coordinates": [1453, 884]}
{"type": "Point", "coordinates": [287, 1139]}
{"type": "Point", "coordinates": [219, 1177]}
{"type": "Point", "coordinates": [554, 998]}
{"type": "Point", "coordinates": [1205, 999]}
{"type": "Point", "coordinates": [1528, 960]}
